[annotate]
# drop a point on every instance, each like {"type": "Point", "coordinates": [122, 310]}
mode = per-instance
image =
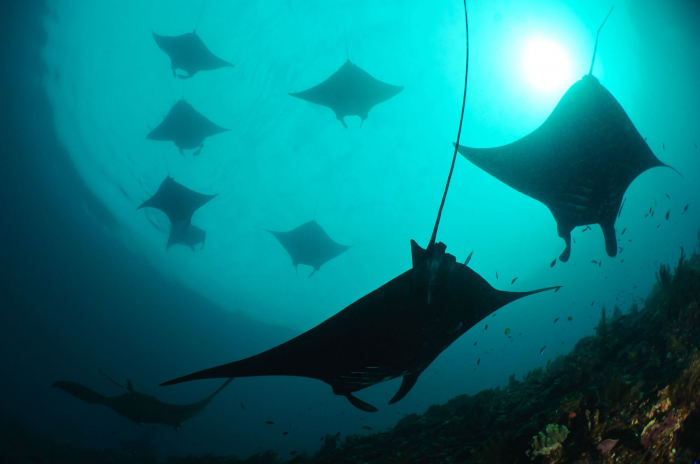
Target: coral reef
{"type": "Point", "coordinates": [628, 394]}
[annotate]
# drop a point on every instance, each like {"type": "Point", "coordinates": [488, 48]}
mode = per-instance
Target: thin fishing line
{"type": "Point", "coordinates": [459, 131]}
{"type": "Point", "coordinates": [596, 40]}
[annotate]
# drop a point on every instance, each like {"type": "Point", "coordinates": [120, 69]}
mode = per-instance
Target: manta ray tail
{"type": "Point", "coordinates": [80, 392]}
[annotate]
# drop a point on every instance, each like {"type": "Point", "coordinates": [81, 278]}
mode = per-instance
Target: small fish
{"type": "Point", "coordinates": [623, 231]}
{"type": "Point", "coordinates": [553, 262]}
{"type": "Point", "coordinates": [337, 434]}
{"type": "Point", "coordinates": [466, 261]}
{"type": "Point", "coordinates": [269, 423]}
{"type": "Point", "coordinates": [367, 427]}
{"type": "Point", "coordinates": [507, 331]}
{"type": "Point", "coordinates": [496, 275]}
{"type": "Point", "coordinates": [657, 225]}
{"type": "Point", "coordinates": [696, 146]}
{"type": "Point", "coordinates": [543, 349]}
{"type": "Point", "coordinates": [592, 302]}
{"type": "Point", "coordinates": [242, 407]}
{"type": "Point", "coordinates": [621, 249]}
{"type": "Point", "coordinates": [478, 361]}
{"type": "Point", "coordinates": [587, 227]}
{"type": "Point", "coordinates": [650, 207]}
{"type": "Point", "coordinates": [622, 261]}
{"type": "Point", "coordinates": [667, 196]}
{"type": "Point", "coordinates": [646, 215]}
{"type": "Point", "coordinates": [322, 438]}
{"type": "Point", "coordinates": [600, 263]}
{"type": "Point", "coordinates": [285, 433]}
{"type": "Point", "coordinates": [292, 453]}
{"type": "Point", "coordinates": [513, 281]}
{"type": "Point", "coordinates": [486, 327]}
{"type": "Point", "coordinates": [663, 145]}
{"type": "Point", "coordinates": [555, 320]}
{"type": "Point", "coordinates": [685, 209]}
{"type": "Point", "coordinates": [474, 343]}
{"type": "Point", "coordinates": [594, 261]}
{"type": "Point", "coordinates": [668, 213]}
{"type": "Point", "coordinates": [556, 289]}
{"type": "Point", "coordinates": [569, 318]}
{"type": "Point", "coordinates": [652, 214]}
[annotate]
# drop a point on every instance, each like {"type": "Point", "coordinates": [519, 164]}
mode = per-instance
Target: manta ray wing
{"type": "Point", "coordinates": [350, 91]}
{"type": "Point", "coordinates": [391, 332]}
{"type": "Point", "coordinates": [579, 162]}
{"type": "Point", "coordinates": [188, 53]}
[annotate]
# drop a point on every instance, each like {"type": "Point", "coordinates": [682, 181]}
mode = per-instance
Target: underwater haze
{"type": "Point", "coordinates": [87, 283]}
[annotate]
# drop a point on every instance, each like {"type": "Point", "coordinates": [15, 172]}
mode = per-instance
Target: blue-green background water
{"type": "Point", "coordinates": [86, 283]}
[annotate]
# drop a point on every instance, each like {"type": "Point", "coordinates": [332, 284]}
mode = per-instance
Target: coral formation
{"type": "Point", "coordinates": [549, 440]}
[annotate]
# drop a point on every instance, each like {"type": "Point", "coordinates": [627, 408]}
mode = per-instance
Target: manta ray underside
{"type": "Point", "coordinates": [579, 162]}
{"type": "Point", "coordinates": [309, 244]}
{"type": "Point", "coordinates": [188, 53]}
{"type": "Point", "coordinates": [139, 407]}
{"type": "Point", "coordinates": [186, 127]}
{"type": "Point", "coordinates": [350, 91]}
{"type": "Point", "coordinates": [179, 203]}
{"type": "Point", "coordinates": [391, 332]}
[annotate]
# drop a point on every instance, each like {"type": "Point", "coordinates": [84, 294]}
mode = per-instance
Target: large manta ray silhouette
{"type": "Point", "coordinates": [579, 162]}
{"type": "Point", "coordinates": [395, 331]}
{"type": "Point", "coordinates": [179, 203]}
{"type": "Point", "coordinates": [309, 244]}
{"type": "Point", "coordinates": [350, 91]}
{"type": "Point", "coordinates": [186, 127]}
{"type": "Point", "coordinates": [139, 407]}
{"type": "Point", "coordinates": [188, 53]}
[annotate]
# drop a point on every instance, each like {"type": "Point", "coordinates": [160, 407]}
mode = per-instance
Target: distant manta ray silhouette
{"type": "Point", "coordinates": [579, 162]}
{"type": "Point", "coordinates": [309, 244]}
{"type": "Point", "coordinates": [395, 331]}
{"type": "Point", "coordinates": [139, 407]}
{"type": "Point", "coordinates": [188, 53]}
{"type": "Point", "coordinates": [179, 203]}
{"type": "Point", "coordinates": [186, 127]}
{"type": "Point", "coordinates": [350, 91]}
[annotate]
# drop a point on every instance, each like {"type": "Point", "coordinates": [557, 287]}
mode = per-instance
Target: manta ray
{"type": "Point", "coordinates": [179, 203]}
{"type": "Point", "coordinates": [309, 244]}
{"type": "Point", "coordinates": [350, 91]}
{"type": "Point", "coordinates": [395, 331]}
{"type": "Point", "coordinates": [186, 127]}
{"type": "Point", "coordinates": [579, 162]}
{"type": "Point", "coordinates": [139, 407]}
{"type": "Point", "coordinates": [188, 53]}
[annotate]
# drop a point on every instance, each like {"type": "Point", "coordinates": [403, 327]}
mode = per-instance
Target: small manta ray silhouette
{"type": "Point", "coordinates": [309, 244]}
{"type": "Point", "coordinates": [395, 331]}
{"type": "Point", "coordinates": [579, 162]}
{"type": "Point", "coordinates": [350, 91]}
{"type": "Point", "coordinates": [186, 127]}
{"type": "Point", "coordinates": [179, 203]}
{"type": "Point", "coordinates": [188, 53]}
{"type": "Point", "coordinates": [139, 407]}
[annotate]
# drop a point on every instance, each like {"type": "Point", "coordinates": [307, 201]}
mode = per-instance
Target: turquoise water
{"type": "Point", "coordinates": [377, 187]}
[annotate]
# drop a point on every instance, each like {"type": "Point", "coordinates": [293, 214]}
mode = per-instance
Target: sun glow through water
{"type": "Point", "coordinates": [547, 65]}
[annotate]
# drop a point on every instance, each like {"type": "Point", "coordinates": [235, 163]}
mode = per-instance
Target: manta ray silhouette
{"type": "Point", "coordinates": [579, 162]}
{"type": "Point", "coordinates": [139, 407]}
{"type": "Point", "coordinates": [179, 203]}
{"type": "Point", "coordinates": [186, 127]}
{"type": "Point", "coordinates": [309, 244]}
{"type": "Point", "coordinates": [395, 331]}
{"type": "Point", "coordinates": [350, 91]}
{"type": "Point", "coordinates": [188, 53]}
